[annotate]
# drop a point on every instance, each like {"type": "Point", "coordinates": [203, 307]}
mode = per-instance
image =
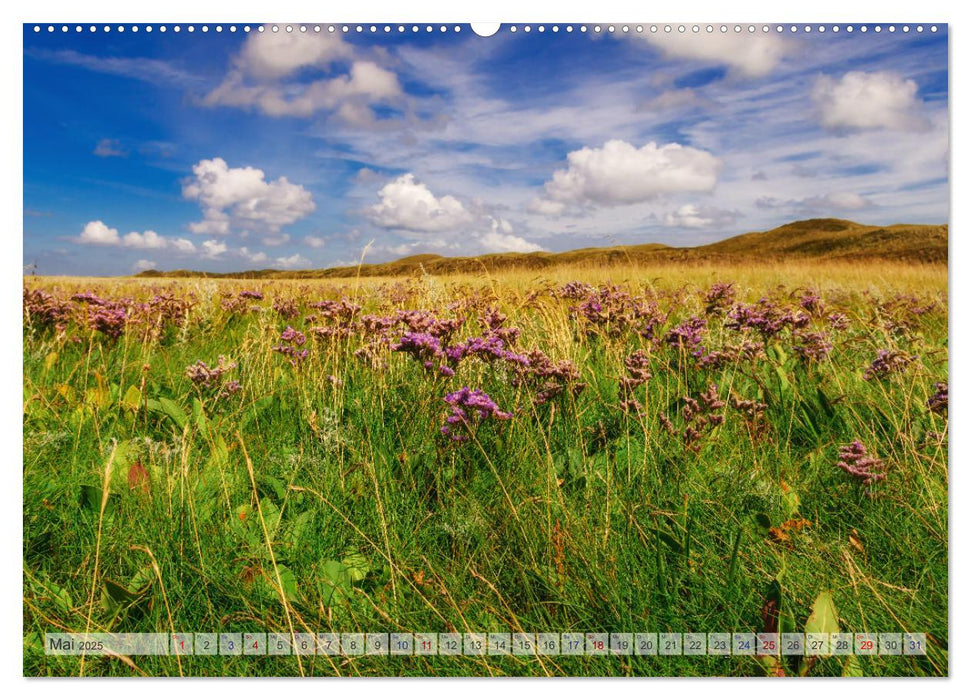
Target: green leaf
{"type": "Point", "coordinates": [199, 415]}
{"type": "Point", "coordinates": [357, 566]}
{"type": "Point", "coordinates": [852, 668]}
{"type": "Point", "coordinates": [132, 399]}
{"type": "Point", "coordinates": [173, 411]}
{"type": "Point", "coordinates": [823, 618]}
{"type": "Point", "coordinates": [335, 582]}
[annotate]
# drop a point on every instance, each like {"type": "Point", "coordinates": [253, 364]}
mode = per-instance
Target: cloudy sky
{"type": "Point", "coordinates": [231, 151]}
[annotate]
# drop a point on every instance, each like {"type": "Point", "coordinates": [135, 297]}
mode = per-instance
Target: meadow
{"type": "Point", "coordinates": [586, 448]}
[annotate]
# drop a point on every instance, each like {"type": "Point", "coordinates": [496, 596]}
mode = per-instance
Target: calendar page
{"type": "Point", "coordinates": [449, 349]}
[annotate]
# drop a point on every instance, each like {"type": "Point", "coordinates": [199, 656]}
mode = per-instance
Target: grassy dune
{"type": "Point", "coordinates": [675, 470]}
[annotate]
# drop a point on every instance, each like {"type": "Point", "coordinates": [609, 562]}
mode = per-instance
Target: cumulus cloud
{"type": "Point", "coordinates": [184, 245]}
{"type": "Point", "coordinates": [295, 260]}
{"type": "Point", "coordinates": [149, 239]}
{"type": "Point", "coordinates": [213, 248]}
{"type": "Point", "coordinates": [694, 216]}
{"type": "Point", "coordinates": [278, 54]}
{"type": "Point", "coordinates": [748, 55]}
{"type": "Point", "coordinates": [409, 205]}
{"type": "Point", "coordinates": [143, 265]}
{"type": "Point", "coordinates": [314, 241]}
{"type": "Point", "coordinates": [99, 233]}
{"type": "Point", "coordinates": [620, 173]}
{"type": "Point", "coordinates": [832, 201]}
{"type": "Point", "coordinates": [254, 257]}
{"type": "Point", "coordinates": [441, 222]}
{"type": "Point", "coordinates": [861, 100]}
{"type": "Point", "coordinates": [268, 73]}
{"type": "Point", "coordinates": [109, 148]}
{"type": "Point", "coordinates": [241, 199]}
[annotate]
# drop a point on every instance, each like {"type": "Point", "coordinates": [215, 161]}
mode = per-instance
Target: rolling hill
{"type": "Point", "coordinates": [813, 239]}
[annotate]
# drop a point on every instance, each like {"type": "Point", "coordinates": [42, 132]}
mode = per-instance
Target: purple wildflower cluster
{"type": "Point", "coordinates": [858, 463]}
{"type": "Point", "coordinates": [638, 373]}
{"type": "Point", "coordinates": [286, 308]}
{"type": "Point", "coordinates": [887, 362]}
{"type": "Point", "coordinates": [688, 335]}
{"type": "Point", "coordinates": [468, 408]}
{"type": "Point", "coordinates": [700, 416]}
{"type": "Point", "coordinates": [719, 297]}
{"type": "Point", "coordinates": [291, 341]}
{"type": "Point", "coordinates": [812, 302]}
{"type": "Point", "coordinates": [46, 310]}
{"type": "Point", "coordinates": [838, 321]}
{"type": "Point", "coordinates": [612, 311]}
{"type": "Point", "coordinates": [765, 317]}
{"type": "Point", "coordinates": [811, 346]}
{"type": "Point", "coordinates": [938, 402]}
{"type": "Point", "coordinates": [109, 319]}
{"type": "Point", "coordinates": [211, 379]}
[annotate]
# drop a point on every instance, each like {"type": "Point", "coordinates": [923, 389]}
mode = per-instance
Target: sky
{"type": "Point", "coordinates": [228, 151]}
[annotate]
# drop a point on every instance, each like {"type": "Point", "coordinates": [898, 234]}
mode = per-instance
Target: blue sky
{"type": "Point", "coordinates": [232, 151]}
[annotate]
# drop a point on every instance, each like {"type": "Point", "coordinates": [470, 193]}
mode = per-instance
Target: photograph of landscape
{"type": "Point", "coordinates": [571, 350]}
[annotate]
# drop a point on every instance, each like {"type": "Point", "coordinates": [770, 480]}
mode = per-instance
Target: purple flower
{"type": "Point", "coordinates": [206, 377]}
{"type": "Point", "coordinates": [812, 347]}
{"type": "Point", "coordinates": [287, 308]}
{"type": "Point", "coordinates": [719, 296]}
{"type": "Point", "coordinates": [108, 319]}
{"type": "Point", "coordinates": [887, 362]}
{"type": "Point", "coordinates": [839, 322]}
{"type": "Point", "coordinates": [812, 302]}
{"type": "Point", "coordinates": [421, 346]}
{"type": "Point", "coordinates": [248, 294]}
{"type": "Point", "coordinates": [857, 462]}
{"type": "Point", "coordinates": [292, 339]}
{"type": "Point", "coordinates": [290, 335]}
{"type": "Point", "coordinates": [638, 371]}
{"type": "Point", "coordinates": [468, 409]}
{"type": "Point", "coordinates": [46, 310]}
{"type": "Point", "coordinates": [938, 402]}
{"type": "Point", "coordinates": [687, 334]}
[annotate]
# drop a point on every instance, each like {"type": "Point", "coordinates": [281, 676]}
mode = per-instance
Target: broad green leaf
{"type": "Point", "coordinates": [357, 566]}
{"type": "Point", "coordinates": [852, 668]}
{"type": "Point", "coordinates": [199, 415]}
{"type": "Point", "coordinates": [823, 618]}
{"type": "Point", "coordinates": [132, 399]}
{"type": "Point", "coordinates": [173, 411]}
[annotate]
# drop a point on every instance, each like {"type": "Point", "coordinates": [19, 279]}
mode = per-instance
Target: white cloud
{"type": "Point", "coordinates": [98, 233]}
{"type": "Point", "coordinates": [108, 148]}
{"type": "Point", "coordinates": [295, 260]}
{"type": "Point", "coordinates": [184, 245]}
{"type": "Point", "coordinates": [277, 54]}
{"type": "Point", "coordinates": [409, 205]}
{"type": "Point", "coordinates": [694, 216]}
{"type": "Point", "coordinates": [832, 201]}
{"type": "Point", "coordinates": [620, 173]}
{"type": "Point", "coordinates": [147, 240]}
{"type": "Point", "coordinates": [861, 100]}
{"type": "Point", "coordinates": [256, 257]}
{"type": "Point", "coordinates": [749, 55]}
{"type": "Point", "coordinates": [143, 265]}
{"type": "Point", "coordinates": [314, 241]}
{"type": "Point", "coordinates": [265, 77]}
{"type": "Point", "coordinates": [495, 242]}
{"type": "Point", "coordinates": [213, 248]}
{"type": "Point", "coordinates": [242, 199]}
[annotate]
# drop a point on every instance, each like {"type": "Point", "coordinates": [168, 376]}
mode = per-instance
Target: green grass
{"type": "Point", "coordinates": [317, 505]}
